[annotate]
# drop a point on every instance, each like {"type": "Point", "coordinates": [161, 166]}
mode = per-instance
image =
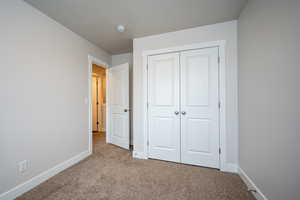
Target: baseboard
{"type": "Point", "coordinates": [251, 186]}
{"type": "Point", "coordinates": [139, 155]}
{"type": "Point", "coordinates": [230, 167]}
{"type": "Point", "coordinates": [35, 181]}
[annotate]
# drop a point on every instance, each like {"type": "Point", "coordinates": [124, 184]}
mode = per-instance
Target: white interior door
{"type": "Point", "coordinates": [163, 107]}
{"type": "Point", "coordinates": [118, 105]}
{"type": "Point", "coordinates": [200, 107]}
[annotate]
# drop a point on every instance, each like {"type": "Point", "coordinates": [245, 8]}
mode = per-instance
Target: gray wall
{"type": "Point", "coordinates": [269, 96]}
{"type": "Point", "coordinates": [43, 84]}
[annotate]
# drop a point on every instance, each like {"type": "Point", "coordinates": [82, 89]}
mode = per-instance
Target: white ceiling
{"type": "Point", "coordinates": [96, 20]}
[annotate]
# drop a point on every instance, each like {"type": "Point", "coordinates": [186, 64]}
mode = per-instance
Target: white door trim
{"type": "Point", "coordinates": [93, 60]}
{"type": "Point", "coordinates": [222, 90]}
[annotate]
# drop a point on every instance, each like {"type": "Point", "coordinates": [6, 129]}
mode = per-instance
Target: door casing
{"type": "Point", "coordinates": [93, 60]}
{"type": "Point", "coordinates": [222, 91]}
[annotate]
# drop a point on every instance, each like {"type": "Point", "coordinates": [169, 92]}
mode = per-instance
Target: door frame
{"type": "Point", "coordinates": [93, 60]}
{"type": "Point", "coordinates": [221, 44]}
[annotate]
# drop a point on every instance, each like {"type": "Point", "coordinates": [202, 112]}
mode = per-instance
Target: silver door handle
{"type": "Point", "coordinates": [183, 112]}
{"type": "Point", "coordinates": [176, 112]}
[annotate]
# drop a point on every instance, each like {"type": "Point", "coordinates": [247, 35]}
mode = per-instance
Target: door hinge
{"type": "Point", "coordinates": [148, 143]}
{"type": "Point", "coordinates": [219, 59]}
{"type": "Point", "coordinates": [219, 104]}
{"type": "Point", "coordinates": [147, 105]}
{"type": "Point", "coordinates": [147, 67]}
{"type": "Point", "coordinates": [220, 151]}
{"type": "Point", "coordinates": [97, 122]}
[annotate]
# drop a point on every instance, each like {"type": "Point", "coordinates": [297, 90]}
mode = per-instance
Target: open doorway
{"type": "Point", "coordinates": [108, 104]}
{"type": "Point", "coordinates": [98, 104]}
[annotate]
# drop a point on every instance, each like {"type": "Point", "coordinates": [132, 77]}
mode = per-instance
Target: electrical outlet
{"type": "Point", "coordinates": [23, 166]}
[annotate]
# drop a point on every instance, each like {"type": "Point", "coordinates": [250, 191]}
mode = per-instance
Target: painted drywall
{"type": "Point", "coordinates": [44, 83]}
{"type": "Point", "coordinates": [121, 59]}
{"type": "Point", "coordinates": [269, 96]}
{"type": "Point", "coordinates": [224, 31]}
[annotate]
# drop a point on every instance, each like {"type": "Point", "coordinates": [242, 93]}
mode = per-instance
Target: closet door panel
{"type": "Point", "coordinates": [199, 107]}
{"type": "Point", "coordinates": [163, 99]}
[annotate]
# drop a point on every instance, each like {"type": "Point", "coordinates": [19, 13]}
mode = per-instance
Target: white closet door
{"type": "Point", "coordinates": [163, 110]}
{"type": "Point", "coordinates": [199, 107]}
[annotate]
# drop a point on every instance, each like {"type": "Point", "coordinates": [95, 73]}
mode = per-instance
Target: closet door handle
{"type": "Point", "coordinates": [176, 112]}
{"type": "Point", "coordinates": [183, 112]}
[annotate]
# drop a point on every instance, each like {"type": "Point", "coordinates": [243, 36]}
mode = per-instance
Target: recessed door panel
{"type": "Point", "coordinates": [196, 77]}
{"type": "Point", "coordinates": [118, 98]}
{"type": "Point", "coordinates": [199, 107]}
{"type": "Point", "coordinates": [197, 133]}
{"type": "Point", "coordinates": [163, 107]}
{"type": "Point", "coordinates": [163, 130]}
{"type": "Point", "coordinates": [163, 82]}
{"type": "Point", "coordinates": [118, 123]}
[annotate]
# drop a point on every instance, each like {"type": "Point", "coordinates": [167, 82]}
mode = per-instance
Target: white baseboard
{"type": "Point", "coordinates": [33, 182]}
{"type": "Point", "coordinates": [250, 184]}
{"type": "Point", "coordinates": [139, 155]}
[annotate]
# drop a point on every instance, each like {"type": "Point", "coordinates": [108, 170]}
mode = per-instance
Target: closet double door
{"type": "Point", "coordinates": [183, 107]}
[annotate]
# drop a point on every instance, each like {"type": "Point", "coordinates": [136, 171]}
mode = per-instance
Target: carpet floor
{"type": "Point", "coordinates": [112, 174]}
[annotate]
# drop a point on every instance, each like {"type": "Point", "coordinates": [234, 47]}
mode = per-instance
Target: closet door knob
{"type": "Point", "coordinates": [183, 112]}
{"type": "Point", "coordinates": [176, 112]}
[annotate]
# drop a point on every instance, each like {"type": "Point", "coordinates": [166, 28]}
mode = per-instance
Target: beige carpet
{"type": "Point", "coordinates": [111, 173]}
